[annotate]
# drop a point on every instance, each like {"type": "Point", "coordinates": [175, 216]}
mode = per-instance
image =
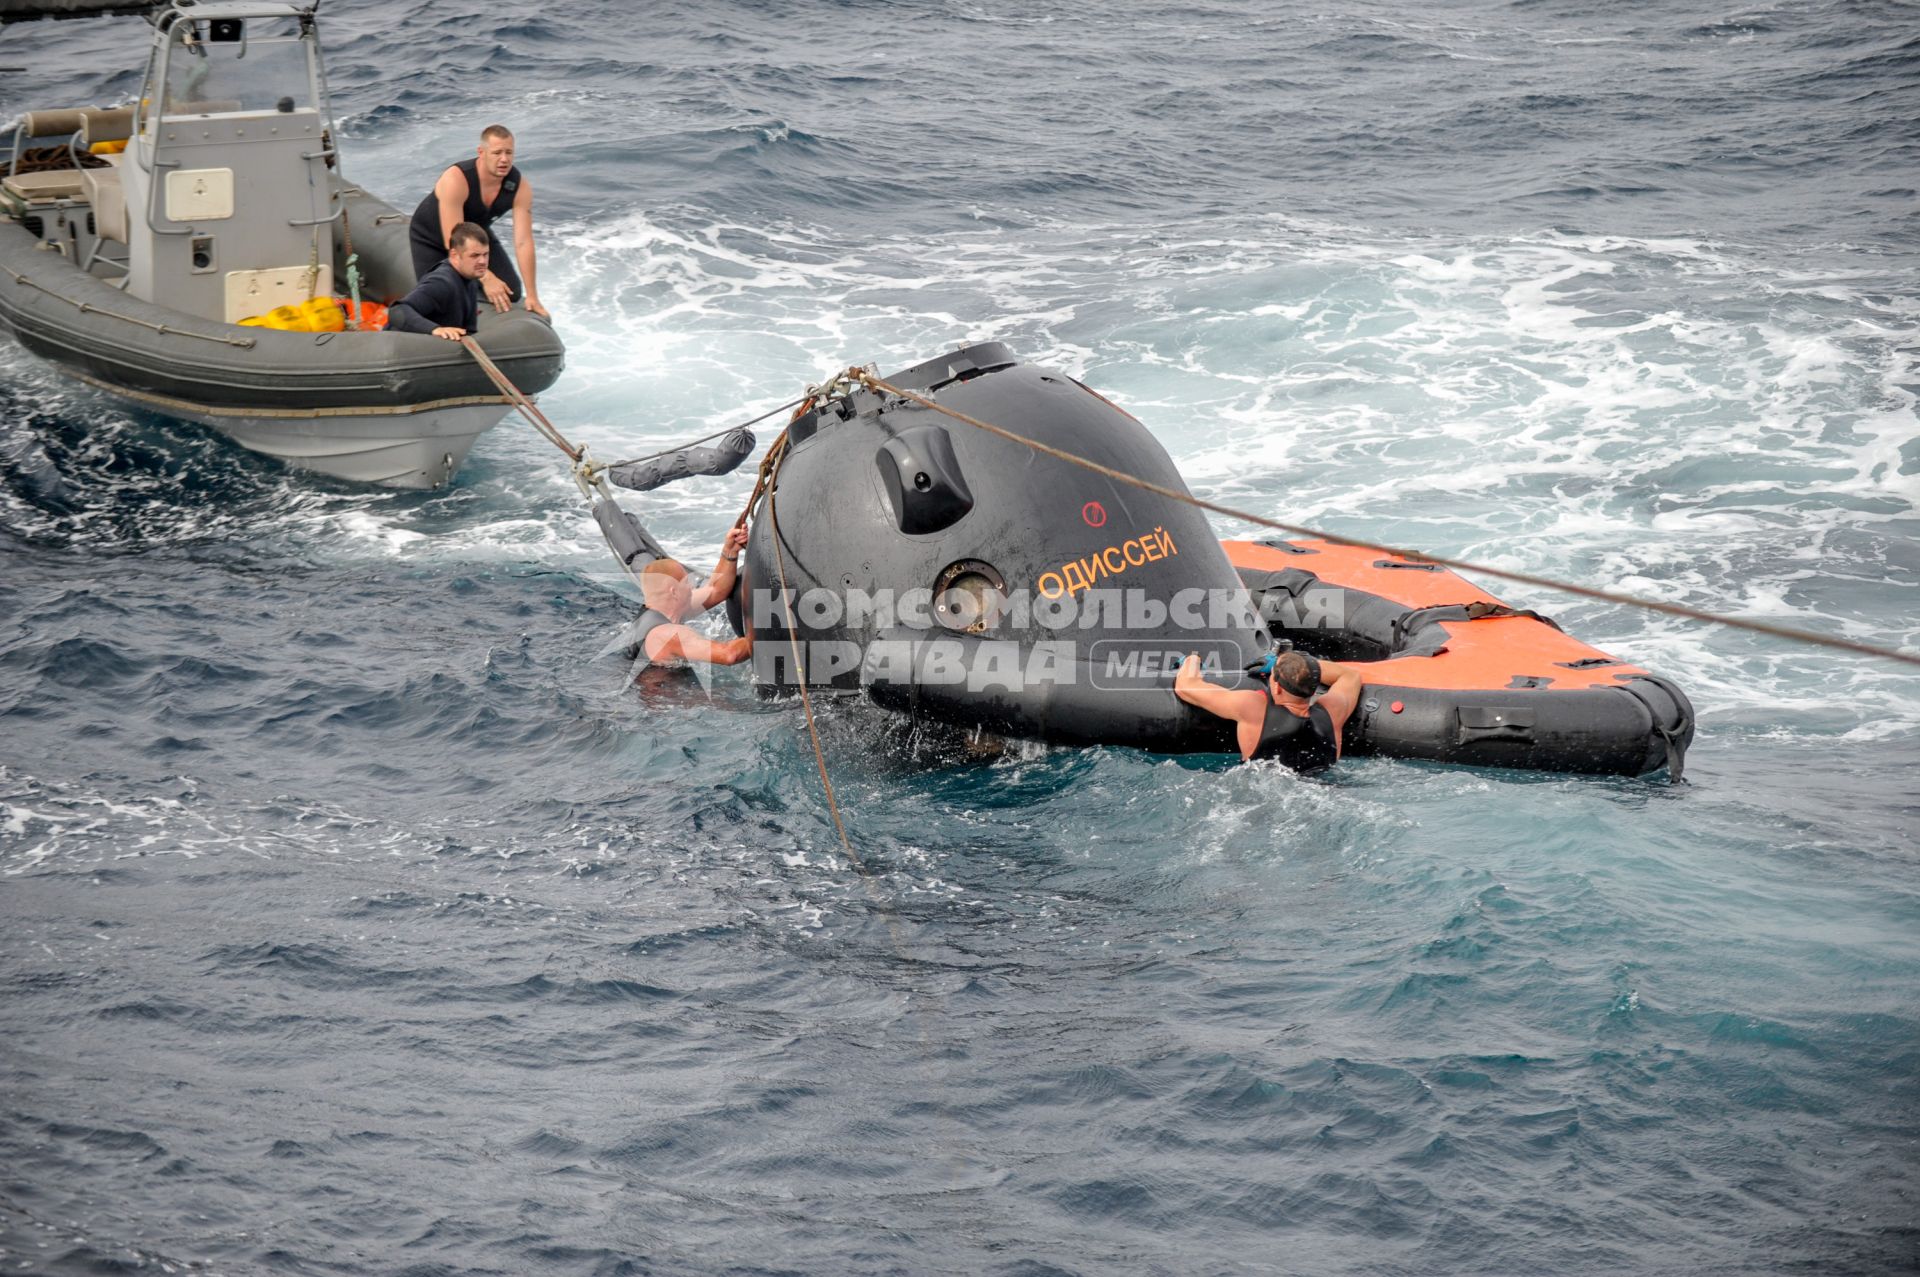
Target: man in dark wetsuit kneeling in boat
{"type": "Point", "coordinates": [1286, 720]}
{"type": "Point", "coordinates": [661, 635]}
{"type": "Point", "coordinates": [446, 301]}
{"type": "Point", "coordinates": [477, 191]}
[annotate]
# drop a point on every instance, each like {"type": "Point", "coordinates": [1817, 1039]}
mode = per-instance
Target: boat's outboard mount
{"type": "Point", "coordinates": [947, 570]}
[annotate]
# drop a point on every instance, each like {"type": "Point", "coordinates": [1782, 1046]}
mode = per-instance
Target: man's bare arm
{"type": "Point", "coordinates": [451, 190]}
{"type": "Point", "coordinates": [523, 246]}
{"type": "Point", "coordinates": [1344, 693]}
{"type": "Point", "coordinates": [679, 641]}
{"type": "Point", "coordinates": [725, 572]}
{"type": "Point", "coordinates": [1190, 686]}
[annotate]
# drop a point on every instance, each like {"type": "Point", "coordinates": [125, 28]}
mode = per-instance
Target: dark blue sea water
{"type": "Point", "coordinates": [355, 917]}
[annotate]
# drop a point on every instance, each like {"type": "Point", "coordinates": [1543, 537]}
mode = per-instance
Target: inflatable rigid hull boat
{"type": "Point", "coordinates": [134, 240]}
{"type": "Point", "coordinates": [958, 576]}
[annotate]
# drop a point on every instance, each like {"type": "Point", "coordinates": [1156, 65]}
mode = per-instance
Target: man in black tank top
{"type": "Point", "coordinates": [1289, 719]}
{"type": "Point", "coordinates": [479, 190]}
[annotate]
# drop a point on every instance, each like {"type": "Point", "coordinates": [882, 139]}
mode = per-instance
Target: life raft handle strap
{"type": "Point", "coordinates": [1414, 619]}
{"type": "Point", "coordinates": [1481, 610]}
{"type": "Point", "coordinates": [1676, 753]}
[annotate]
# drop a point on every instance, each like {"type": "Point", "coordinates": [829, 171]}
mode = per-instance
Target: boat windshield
{"type": "Point", "coordinates": [227, 65]}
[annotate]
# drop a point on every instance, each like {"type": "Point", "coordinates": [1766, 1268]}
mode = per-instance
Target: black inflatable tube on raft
{"type": "Point", "coordinates": [1631, 729]}
{"type": "Point", "coordinates": [1635, 728]}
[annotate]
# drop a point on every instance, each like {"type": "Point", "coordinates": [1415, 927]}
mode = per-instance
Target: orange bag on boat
{"type": "Point", "coordinates": [373, 316]}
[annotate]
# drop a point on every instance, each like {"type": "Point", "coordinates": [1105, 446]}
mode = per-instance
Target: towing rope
{"type": "Point", "coordinates": [877, 385]}
{"type": "Point", "coordinates": [519, 400]}
{"type": "Point", "coordinates": [776, 451]}
{"type": "Point", "coordinates": [718, 434]}
{"type": "Point", "coordinates": [769, 483]}
{"type": "Point", "coordinates": [769, 467]}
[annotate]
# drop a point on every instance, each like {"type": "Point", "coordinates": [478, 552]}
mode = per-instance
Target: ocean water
{"type": "Point", "coordinates": [357, 917]}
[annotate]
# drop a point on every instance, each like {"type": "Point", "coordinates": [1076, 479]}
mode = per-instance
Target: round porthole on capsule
{"type": "Point", "coordinates": [970, 596]}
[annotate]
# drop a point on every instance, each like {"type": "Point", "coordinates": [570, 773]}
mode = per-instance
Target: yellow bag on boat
{"type": "Point", "coordinates": [321, 315]}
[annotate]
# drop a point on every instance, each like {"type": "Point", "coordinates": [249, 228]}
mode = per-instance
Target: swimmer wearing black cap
{"type": "Point", "coordinates": [1285, 720]}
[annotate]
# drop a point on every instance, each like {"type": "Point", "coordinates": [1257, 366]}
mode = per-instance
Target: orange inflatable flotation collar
{"type": "Point", "coordinates": [1455, 675]}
